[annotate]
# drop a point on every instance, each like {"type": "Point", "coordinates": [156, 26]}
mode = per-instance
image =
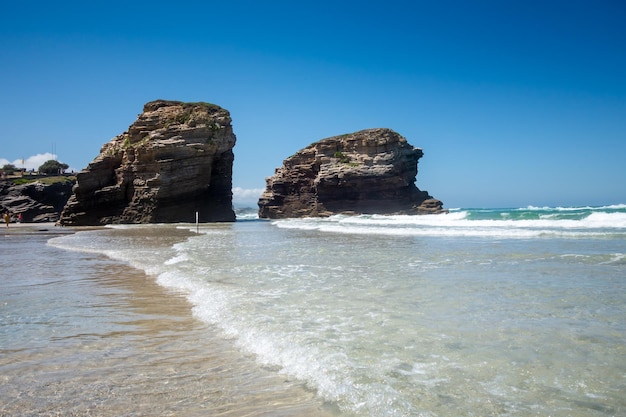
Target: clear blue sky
{"type": "Point", "coordinates": [514, 103]}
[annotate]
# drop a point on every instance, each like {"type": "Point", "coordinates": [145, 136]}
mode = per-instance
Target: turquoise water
{"type": "Point", "coordinates": [511, 312]}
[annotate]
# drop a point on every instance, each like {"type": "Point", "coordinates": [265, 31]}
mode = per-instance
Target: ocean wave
{"type": "Point", "coordinates": [595, 224]}
{"type": "Point", "coordinates": [572, 208]}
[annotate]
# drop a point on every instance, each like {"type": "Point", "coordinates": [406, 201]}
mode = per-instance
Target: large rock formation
{"type": "Point", "coordinates": [37, 200]}
{"type": "Point", "coordinates": [366, 172]}
{"type": "Point", "coordinates": [175, 160]}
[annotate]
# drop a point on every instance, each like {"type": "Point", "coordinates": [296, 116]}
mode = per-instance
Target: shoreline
{"type": "Point", "coordinates": [45, 228]}
{"type": "Point", "coordinates": [31, 227]}
{"type": "Point", "coordinates": [121, 343]}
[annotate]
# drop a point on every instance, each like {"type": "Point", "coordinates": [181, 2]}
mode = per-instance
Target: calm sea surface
{"type": "Point", "coordinates": [518, 312]}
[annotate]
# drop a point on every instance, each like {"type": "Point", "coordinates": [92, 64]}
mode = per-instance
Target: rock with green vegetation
{"type": "Point", "coordinates": [367, 172]}
{"type": "Point", "coordinates": [37, 200]}
{"type": "Point", "coordinates": [173, 161]}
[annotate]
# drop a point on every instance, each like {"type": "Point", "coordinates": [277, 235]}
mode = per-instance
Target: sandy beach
{"type": "Point", "coordinates": [15, 227]}
{"type": "Point", "coordinates": [84, 335]}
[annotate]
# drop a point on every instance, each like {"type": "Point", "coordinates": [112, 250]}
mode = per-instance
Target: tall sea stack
{"type": "Point", "coordinates": [175, 160]}
{"type": "Point", "coordinates": [367, 172]}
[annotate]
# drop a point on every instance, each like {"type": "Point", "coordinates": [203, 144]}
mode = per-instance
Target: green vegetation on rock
{"type": "Point", "coordinates": [343, 158]}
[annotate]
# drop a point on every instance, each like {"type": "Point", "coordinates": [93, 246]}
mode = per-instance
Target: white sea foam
{"type": "Point", "coordinates": [606, 220]}
{"type": "Point", "coordinates": [574, 208]}
{"type": "Point", "coordinates": [595, 224]}
{"type": "Point", "coordinates": [177, 259]}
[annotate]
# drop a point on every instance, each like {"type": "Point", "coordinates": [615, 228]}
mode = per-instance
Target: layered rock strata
{"type": "Point", "coordinates": [175, 160]}
{"type": "Point", "coordinates": [366, 172]}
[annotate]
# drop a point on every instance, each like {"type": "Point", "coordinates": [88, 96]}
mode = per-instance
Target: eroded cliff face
{"type": "Point", "coordinates": [366, 172]}
{"type": "Point", "coordinates": [175, 160]}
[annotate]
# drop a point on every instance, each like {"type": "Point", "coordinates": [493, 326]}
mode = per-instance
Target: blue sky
{"type": "Point", "coordinates": [514, 103]}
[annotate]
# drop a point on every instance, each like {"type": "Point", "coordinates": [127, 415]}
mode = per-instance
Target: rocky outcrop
{"type": "Point", "coordinates": [366, 172]}
{"type": "Point", "coordinates": [38, 200]}
{"type": "Point", "coordinates": [175, 160]}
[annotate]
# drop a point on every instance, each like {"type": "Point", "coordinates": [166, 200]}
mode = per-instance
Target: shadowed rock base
{"type": "Point", "coordinates": [36, 201]}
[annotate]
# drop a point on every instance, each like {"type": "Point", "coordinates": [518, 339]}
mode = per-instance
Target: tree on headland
{"type": "Point", "coordinates": [52, 167]}
{"type": "Point", "coordinates": [9, 169]}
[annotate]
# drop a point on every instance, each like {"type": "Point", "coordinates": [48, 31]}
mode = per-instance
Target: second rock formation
{"type": "Point", "coordinates": [367, 172]}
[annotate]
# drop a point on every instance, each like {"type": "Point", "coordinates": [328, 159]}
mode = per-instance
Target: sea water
{"type": "Point", "coordinates": [478, 312]}
{"type": "Point", "coordinates": [85, 335]}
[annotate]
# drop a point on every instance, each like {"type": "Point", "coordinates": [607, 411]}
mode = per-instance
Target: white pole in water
{"type": "Point", "coordinates": [197, 226]}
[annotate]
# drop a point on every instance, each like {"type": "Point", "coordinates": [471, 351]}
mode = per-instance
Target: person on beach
{"type": "Point", "coordinates": [19, 218]}
{"type": "Point", "coordinates": [7, 218]}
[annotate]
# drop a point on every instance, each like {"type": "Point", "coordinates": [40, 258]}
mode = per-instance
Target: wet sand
{"type": "Point", "coordinates": [87, 336]}
{"type": "Point", "coordinates": [34, 228]}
